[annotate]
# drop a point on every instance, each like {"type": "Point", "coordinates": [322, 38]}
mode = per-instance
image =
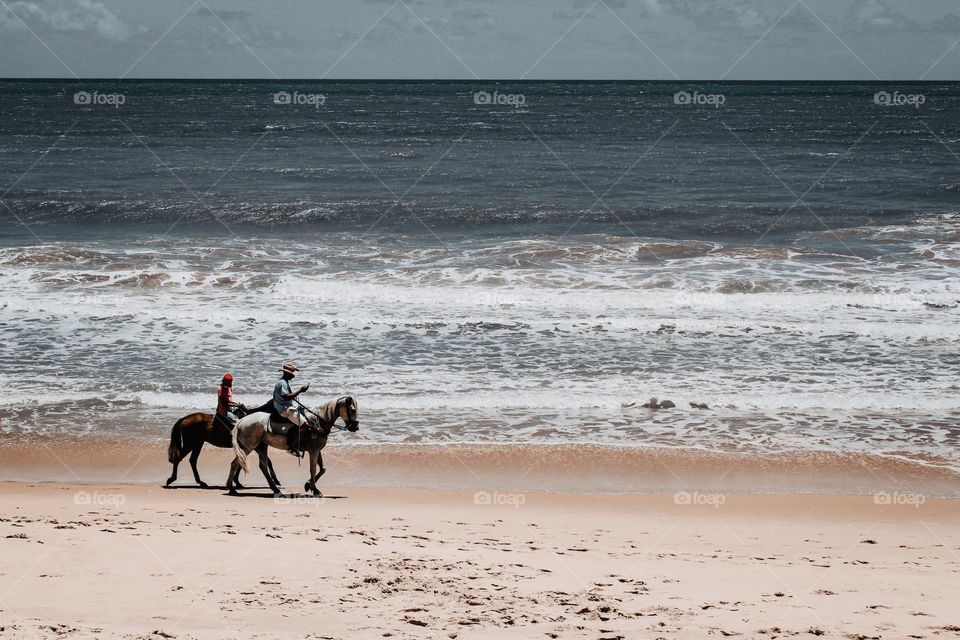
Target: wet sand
{"type": "Point", "coordinates": [127, 561]}
{"type": "Point", "coordinates": [565, 468]}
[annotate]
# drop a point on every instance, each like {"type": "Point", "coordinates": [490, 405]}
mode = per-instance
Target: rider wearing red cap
{"type": "Point", "coordinates": [225, 403]}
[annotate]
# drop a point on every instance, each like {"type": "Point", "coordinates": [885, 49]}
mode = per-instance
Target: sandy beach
{"type": "Point", "coordinates": [668, 356]}
{"type": "Point", "coordinates": [133, 561]}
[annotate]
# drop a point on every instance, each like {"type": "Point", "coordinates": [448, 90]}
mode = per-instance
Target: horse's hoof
{"type": "Point", "coordinates": [240, 486]}
{"type": "Point", "coordinates": [203, 485]}
{"type": "Point", "coordinates": [317, 494]}
{"type": "Point", "coordinates": [306, 486]}
{"type": "Point", "coordinates": [232, 493]}
{"type": "Point", "coordinates": [169, 482]}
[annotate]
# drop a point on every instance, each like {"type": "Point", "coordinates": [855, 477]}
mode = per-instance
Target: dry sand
{"type": "Point", "coordinates": [145, 562]}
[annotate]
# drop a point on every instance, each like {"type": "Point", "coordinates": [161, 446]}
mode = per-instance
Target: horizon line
{"type": "Point", "coordinates": [477, 80]}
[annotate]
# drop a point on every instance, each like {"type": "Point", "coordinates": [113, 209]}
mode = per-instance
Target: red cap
{"type": "Point", "coordinates": [228, 377]}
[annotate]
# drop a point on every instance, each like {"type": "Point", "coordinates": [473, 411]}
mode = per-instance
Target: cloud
{"type": "Point", "coordinates": [875, 13]}
{"type": "Point", "coordinates": [81, 16]}
{"type": "Point", "coordinates": [226, 15]}
{"type": "Point", "coordinates": [645, 7]}
{"type": "Point", "coordinates": [717, 13]}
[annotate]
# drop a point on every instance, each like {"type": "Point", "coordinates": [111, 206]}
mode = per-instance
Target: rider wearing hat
{"type": "Point", "coordinates": [283, 396]}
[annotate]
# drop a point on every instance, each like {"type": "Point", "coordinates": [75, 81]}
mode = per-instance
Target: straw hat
{"type": "Point", "coordinates": [290, 368]}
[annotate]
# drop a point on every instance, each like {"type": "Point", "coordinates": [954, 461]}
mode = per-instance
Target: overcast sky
{"type": "Point", "coordinates": [631, 39]}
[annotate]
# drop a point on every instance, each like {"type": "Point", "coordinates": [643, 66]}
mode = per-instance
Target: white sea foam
{"type": "Point", "coordinates": [520, 340]}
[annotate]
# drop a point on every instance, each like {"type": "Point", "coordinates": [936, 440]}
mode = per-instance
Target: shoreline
{"type": "Point", "coordinates": [556, 468]}
{"type": "Point", "coordinates": [367, 562]}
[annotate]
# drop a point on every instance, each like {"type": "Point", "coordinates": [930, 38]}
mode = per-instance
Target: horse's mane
{"type": "Point", "coordinates": [328, 412]}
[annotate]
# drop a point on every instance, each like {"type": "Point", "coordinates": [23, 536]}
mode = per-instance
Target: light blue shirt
{"type": "Point", "coordinates": [281, 389]}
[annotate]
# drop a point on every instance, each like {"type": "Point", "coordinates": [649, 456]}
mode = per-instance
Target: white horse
{"type": "Point", "coordinates": [252, 433]}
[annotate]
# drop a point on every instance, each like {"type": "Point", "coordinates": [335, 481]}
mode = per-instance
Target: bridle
{"type": "Point", "coordinates": [342, 400]}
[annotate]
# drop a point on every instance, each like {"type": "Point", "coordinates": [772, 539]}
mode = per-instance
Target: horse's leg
{"type": "Point", "coordinates": [310, 484]}
{"type": "Point", "coordinates": [181, 454]}
{"type": "Point", "coordinates": [231, 477]}
{"type": "Point", "coordinates": [173, 474]}
{"type": "Point", "coordinates": [322, 470]}
{"type": "Point", "coordinates": [315, 475]}
{"type": "Point", "coordinates": [194, 456]}
{"type": "Point", "coordinates": [273, 473]}
{"type": "Point", "coordinates": [262, 454]}
{"type": "Point", "coordinates": [236, 478]}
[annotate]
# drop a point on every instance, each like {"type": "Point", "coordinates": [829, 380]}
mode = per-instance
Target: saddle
{"type": "Point", "coordinates": [278, 424]}
{"type": "Point", "coordinates": [281, 426]}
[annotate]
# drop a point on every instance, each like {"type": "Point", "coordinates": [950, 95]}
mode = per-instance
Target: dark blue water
{"type": "Point", "coordinates": [662, 169]}
{"type": "Point", "coordinates": [490, 272]}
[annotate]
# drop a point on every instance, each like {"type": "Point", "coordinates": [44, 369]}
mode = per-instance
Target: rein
{"type": "Point", "coordinates": [320, 420]}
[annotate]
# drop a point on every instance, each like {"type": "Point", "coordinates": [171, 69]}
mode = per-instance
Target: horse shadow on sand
{"type": "Point", "coordinates": [249, 493]}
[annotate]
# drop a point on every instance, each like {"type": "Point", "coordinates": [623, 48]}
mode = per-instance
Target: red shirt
{"type": "Point", "coordinates": [224, 399]}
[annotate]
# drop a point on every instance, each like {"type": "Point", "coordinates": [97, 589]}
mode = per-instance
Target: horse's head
{"type": "Point", "coordinates": [347, 411]}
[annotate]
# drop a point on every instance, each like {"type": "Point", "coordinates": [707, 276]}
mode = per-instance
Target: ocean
{"type": "Point", "coordinates": [489, 263]}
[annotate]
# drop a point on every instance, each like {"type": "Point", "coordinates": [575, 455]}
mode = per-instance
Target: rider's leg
{"type": "Point", "coordinates": [293, 416]}
{"type": "Point", "coordinates": [293, 439]}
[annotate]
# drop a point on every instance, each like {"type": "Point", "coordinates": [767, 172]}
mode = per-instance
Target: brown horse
{"type": "Point", "coordinates": [252, 433]}
{"type": "Point", "coordinates": [189, 434]}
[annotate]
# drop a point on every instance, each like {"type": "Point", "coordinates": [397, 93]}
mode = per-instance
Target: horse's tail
{"type": "Point", "coordinates": [175, 450]}
{"type": "Point", "coordinates": [241, 456]}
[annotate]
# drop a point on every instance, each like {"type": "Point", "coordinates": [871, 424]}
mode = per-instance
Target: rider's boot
{"type": "Point", "coordinates": [293, 441]}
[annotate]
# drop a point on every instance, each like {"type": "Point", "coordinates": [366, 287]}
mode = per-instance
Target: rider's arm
{"type": "Point", "coordinates": [294, 394]}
